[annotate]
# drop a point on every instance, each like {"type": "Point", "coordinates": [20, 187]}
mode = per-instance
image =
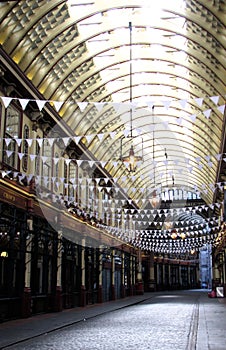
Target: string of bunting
{"type": "Point", "coordinates": [99, 105]}
{"type": "Point", "coordinates": [91, 163]}
{"type": "Point", "coordinates": [71, 182]}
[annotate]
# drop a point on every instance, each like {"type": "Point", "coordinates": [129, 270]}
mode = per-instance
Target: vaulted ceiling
{"type": "Point", "coordinates": [79, 53]}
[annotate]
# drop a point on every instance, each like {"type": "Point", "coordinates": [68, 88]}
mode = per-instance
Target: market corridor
{"type": "Point", "coordinates": [181, 320]}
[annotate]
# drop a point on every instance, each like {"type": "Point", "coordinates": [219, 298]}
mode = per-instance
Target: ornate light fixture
{"type": "Point", "coordinates": [174, 234]}
{"type": "Point", "coordinates": [132, 159]}
{"type": "Point", "coordinates": [183, 235]}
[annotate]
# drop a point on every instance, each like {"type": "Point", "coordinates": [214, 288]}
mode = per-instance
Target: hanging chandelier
{"type": "Point", "coordinates": [132, 159]}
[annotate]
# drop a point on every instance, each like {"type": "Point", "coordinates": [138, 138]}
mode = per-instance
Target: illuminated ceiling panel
{"type": "Point", "coordinates": [79, 52]}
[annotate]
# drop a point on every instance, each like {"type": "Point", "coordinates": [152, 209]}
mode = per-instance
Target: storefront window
{"type": "Point", "coordinates": [11, 133]}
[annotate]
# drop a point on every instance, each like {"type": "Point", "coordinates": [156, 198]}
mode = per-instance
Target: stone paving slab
{"type": "Point", "coordinates": [209, 322]}
{"type": "Point", "coordinates": [18, 330]}
{"type": "Point", "coordinates": [211, 333]}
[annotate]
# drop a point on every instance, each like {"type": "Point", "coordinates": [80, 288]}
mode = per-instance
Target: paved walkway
{"type": "Point", "coordinates": [209, 327]}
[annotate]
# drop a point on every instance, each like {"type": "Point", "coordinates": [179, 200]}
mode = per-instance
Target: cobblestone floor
{"type": "Point", "coordinates": [161, 323]}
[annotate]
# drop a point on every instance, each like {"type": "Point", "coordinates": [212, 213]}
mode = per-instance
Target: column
{"type": "Point", "coordinates": [100, 266]}
{"type": "Point", "coordinates": [170, 279]}
{"type": "Point", "coordinates": [157, 275]}
{"type": "Point", "coordinates": [131, 274]}
{"type": "Point", "coordinates": [113, 275]}
{"type": "Point", "coordinates": [163, 276]}
{"type": "Point", "coordinates": [26, 298]}
{"type": "Point", "coordinates": [152, 282]}
{"type": "Point", "coordinates": [123, 292]}
{"type": "Point", "coordinates": [224, 271]}
{"type": "Point", "coordinates": [180, 279]}
{"type": "Point", "coordinates": [139, 285]}
{"type": "Point", "coordinates": [83, 274]}
{"type": "Point", "coordinates": [216, 275]}
{"type": "Point", "coordinates": [189, 276]}
{"type": "Point", "coordinates": [58, 305]}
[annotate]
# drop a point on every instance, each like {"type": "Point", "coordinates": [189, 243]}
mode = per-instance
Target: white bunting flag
{"type": "Point", "coordinates": [9, 153]}
{"type": "Point", "coordinates": [207, 113]}
{"type": "Point", "coordinates": [199, 101]}
{"type": "Point", "coordinates": [40, 141]}
{"type": "Point", "coordinates": [166, 104]}
{"type": "Point", "coordinates": [7, 141]}
{"type": "Point", "coordinates": [183, 103]}
{"type": "Point", "coordinates": [29, 141]}
{"type": "Point", "coordinates": [40, 104]}
{"type": "Point", "coordinates": [32, 157]}
{"type": "Point", "coordinates": [77, 139]}
{"type": "Point", "coordinates": [24, 102]}
{"type": "Point", "coordinates": [6, 101]}
{"type": "Point", "coordinates": [221, 108]}
{"type": "Point", "coordinates": [215, 99]}
{"type": "Point", "coordinates": [20, 155]}
{"type": "Point", "coordinates": [18, 141]}
{"type": "Point", "coordinates": [65, 140]}
{"type": "Point", "coordinates": [82, 105]}
{"type": "Point", "coordinates": [57, 105]}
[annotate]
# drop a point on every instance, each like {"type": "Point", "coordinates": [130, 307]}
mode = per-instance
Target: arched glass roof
{"type": "Point", "coordinates": [78, 52]}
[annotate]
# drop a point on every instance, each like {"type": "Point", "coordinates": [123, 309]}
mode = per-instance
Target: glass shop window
{"type": "Point", "coordinates": [11, 132]}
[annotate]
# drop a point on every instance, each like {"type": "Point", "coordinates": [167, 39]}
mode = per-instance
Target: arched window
{"type": "Point", "coordinates": [56, 171]}
{"type": "Point", "coordinates": [11, 133]}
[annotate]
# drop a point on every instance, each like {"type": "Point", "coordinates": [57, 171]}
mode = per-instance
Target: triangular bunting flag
{"type": "Point", "coordinates": [40, 104]}
{"type": "Point", "coordinates": [207, 113]}
{"type": "Point", "coordinates": [199, 101]}
{"type": "Point", "coordinates": [50, 141]}
{"type": "Point", "coordinates": [215, 99]}
{"type": "Point", "coordinates": [9, 153]}
{"type": "Point", "coordinates": [112, 134]}
{"type": "Point", "coordinates": [20, 155]}
{"type": "Point", "coordinates": [7, 141]}
{"type": "Point", "coordinates": [44, 158]}
{"type": "Point", "coordinates": [89, 138]}
{"type": "Point", "coordinates": [32, 156]}
{"type": "Point", "coordinates": [6, 101]}
{"type": "Point", "coordinates": [24, 102]}
{"type": "Point", "coordinates": [100, 136]}
{"type": "Point", "coordinates": [166, 104]}
{"type": "Point", "coordinates": [57, 105]}
{"type": "Point", "coordinates": [82, 105]}
{"type": "Point", "coordinates": [40, 141]}
{"type": "Point", "coordinates": [221, 108]}
{"type": "Point", "coordinates": [183, 103]}
{"type": "Point", "coordinates": [29, 141]}
{"type": "Point", "coordinates": [65, 140]}
{"type": "Point", "coordinates": [77, 139]}
{"type": "Point", "coordinates": [55, 160]}
{"type": "Point", "coordinates": [99, 106]}
{"type": "Point", "coordinates": [18, 141]}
